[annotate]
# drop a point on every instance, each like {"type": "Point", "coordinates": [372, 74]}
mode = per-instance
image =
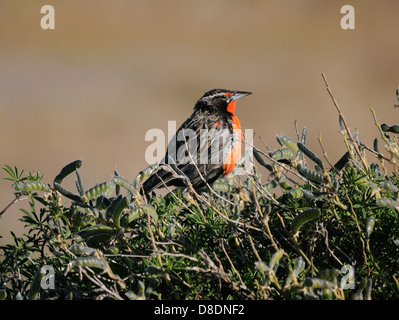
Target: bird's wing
{"type": "Point", "coordinates": [198, 149]}
{"type": "Point", "coordinates": [201, 146]}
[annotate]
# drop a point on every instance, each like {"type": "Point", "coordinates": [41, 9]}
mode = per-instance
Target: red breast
{"type": "Point", "coordinates": [236, 151]}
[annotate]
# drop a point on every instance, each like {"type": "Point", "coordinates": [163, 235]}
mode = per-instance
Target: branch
{"type": "Point", "coordinates": [354, 143]}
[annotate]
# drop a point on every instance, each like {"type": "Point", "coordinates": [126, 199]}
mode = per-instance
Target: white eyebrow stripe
{"type": "Point", "coordinates": [221, 94]}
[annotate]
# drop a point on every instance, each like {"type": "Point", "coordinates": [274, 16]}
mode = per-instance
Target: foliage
{"type": "Point", "coordinates": [310, 231]}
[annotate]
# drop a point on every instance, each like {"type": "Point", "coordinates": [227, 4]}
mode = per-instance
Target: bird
{"type": "Point", "coordinates": [206, 146]}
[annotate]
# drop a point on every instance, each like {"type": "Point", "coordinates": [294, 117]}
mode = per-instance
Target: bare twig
{"type": "Point", "coordinates": [17, 198]}
{"type": "Point", "coordinates": [324, 151]}
{"type": "Point", "coordinates": [282, 165]}
{"type": "Point", "coordinates": [231, 263]}
{"type": "Point", "coordinates": [393, 149]}
{"type": "Point", "coordinates": [354, 143]}
{"type": "Point", "coordinates": [98, 282]}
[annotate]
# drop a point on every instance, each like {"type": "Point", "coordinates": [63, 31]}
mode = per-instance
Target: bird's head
{"type": "Point", "coordinates": [220, 100]}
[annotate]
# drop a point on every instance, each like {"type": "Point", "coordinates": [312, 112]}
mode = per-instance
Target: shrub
{"type": "Point", "coordinates": [310, 230]}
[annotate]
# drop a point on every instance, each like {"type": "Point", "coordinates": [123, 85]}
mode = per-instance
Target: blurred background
{"type": "Point", "coordinates": [111, 70]}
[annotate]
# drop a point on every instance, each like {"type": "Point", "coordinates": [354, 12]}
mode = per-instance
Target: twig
{"type": "Point", "coordinates": [125, 255]}
{"type": "Point", "coordinates": [214, 207]}
{"type": "Point", "coordinates": [178, 255]}
{"type": "Point", "coordinates": [359, 231]}
{"type": "Point", "coordinates": [282, 165]}
{"type": "Point", "coordinates": [97, 281]}
{"type": "Point", "coordinates": [202, 177]}
{"type": "Point", "coordinates": [266, 223]}
{"type": "Point", "coordinates": [231, 263]}
{"type": "Point", "coordinates": [392, 150]}
{"type": "Point", "coordinates": [324, 151]}
{"type": "Point", "coordinates": [165, 274]}
{"type": "Point", "coordinates": [254, 249]}
{"type": "Point", "coordinates": [177, 198]}
{"type": "Point", "coordinates": [354, 143]}
{"type": "Point", "coordinates": [295, 243]}
{"type": "Point", "coordinates": [379, 155]}
{"type": "Point", "coordinates": [17, 198]}
{"type": "Point", "coordinates": [296, 130]}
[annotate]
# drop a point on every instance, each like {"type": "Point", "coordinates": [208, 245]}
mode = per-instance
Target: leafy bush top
{"type": "Point", "coordinates": [310, 230]}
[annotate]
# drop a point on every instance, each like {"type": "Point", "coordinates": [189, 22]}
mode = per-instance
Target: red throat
{"type": "Point", "coordinates": [236, 152]}
{"type": "Point", "coordinates": [231, 107]}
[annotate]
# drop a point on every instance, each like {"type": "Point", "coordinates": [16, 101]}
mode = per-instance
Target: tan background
{"type": "Point", "coordinates": [111, 70]}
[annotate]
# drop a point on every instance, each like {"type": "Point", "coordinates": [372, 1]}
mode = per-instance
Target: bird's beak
{"type": "Point", "coordinates": [239, 94]}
